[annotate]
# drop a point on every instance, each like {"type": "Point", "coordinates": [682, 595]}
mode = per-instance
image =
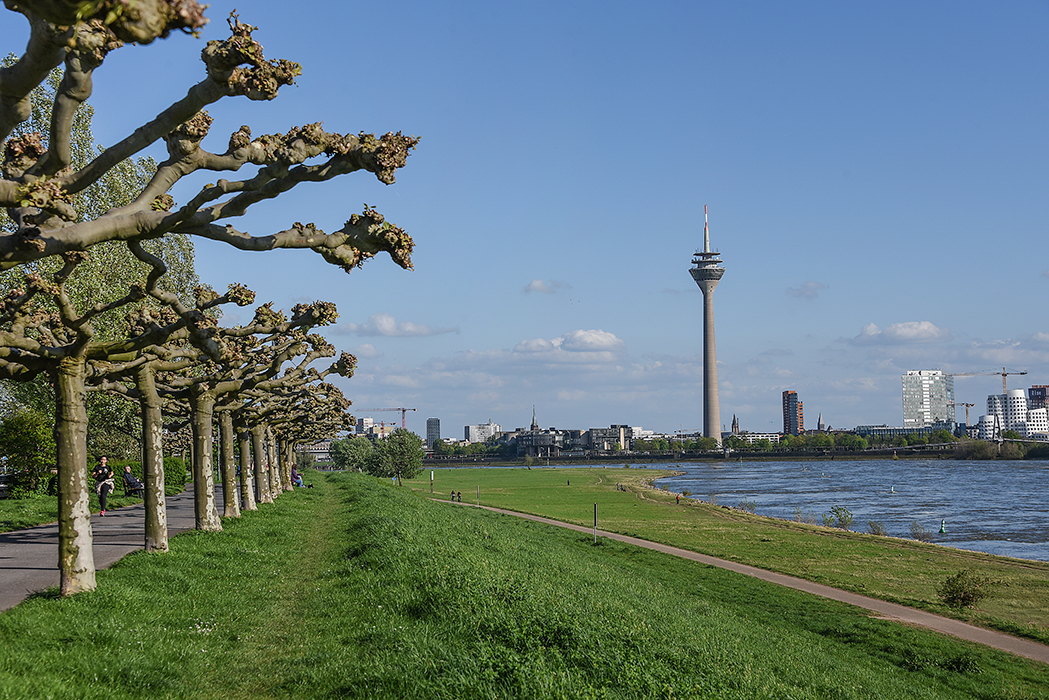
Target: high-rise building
{"type": "Point", "coordinates": [433, 432]}
{"type": "Point", "coordinates": [793, 414]}
{"type": "Point", "coordinates": [707, 274]}
{"type": "Point", "coordinates": [928, 398]}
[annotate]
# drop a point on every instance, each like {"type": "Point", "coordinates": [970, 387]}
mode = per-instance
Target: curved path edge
{"type": "Point", "coordinates": [890, 611]}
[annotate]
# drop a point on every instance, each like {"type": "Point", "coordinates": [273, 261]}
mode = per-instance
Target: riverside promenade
{"type": "Point", "coordinates": [29, 558]}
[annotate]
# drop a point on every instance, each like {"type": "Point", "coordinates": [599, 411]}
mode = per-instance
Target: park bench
{"type": "Point", "coordinates": [133, 486]}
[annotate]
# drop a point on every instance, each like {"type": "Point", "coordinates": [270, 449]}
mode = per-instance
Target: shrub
{"type": "Point", "coordinates": [749, 506]}
{"type": "Point", "coordinates": [803, 517]}
{"type": "Point", "coordinates": [839, 517]}
{"type": "Point", "coordinates": [964, 589]}
{"type": "Point", "coordinates": [27, 446]}
{"type": "Point", "coordinates": [918, 532]}
{"type": "Point", "coordinates": [686, 493]}
{"type": "Point", "coordinates": [876, 528]}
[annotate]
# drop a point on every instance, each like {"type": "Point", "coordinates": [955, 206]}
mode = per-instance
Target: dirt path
{"type": "Point", "coordinates": [888, 611]}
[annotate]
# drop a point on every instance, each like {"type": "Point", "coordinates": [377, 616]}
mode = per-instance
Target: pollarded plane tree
{"type": "Point", "coordinates": [248, 363]}
{"type": "Point", "coordinates": [134, 375]}
{"type": "Point", "coordinates": [250, 414]}
{"type": "Point", "coordinates": [38, 183]}
{"type": "Point", "coordinates": [322, 415]}
{"type": "Point", "coordinates": [298, 412]}
{"type": "Point", "coordinates": [43, 332]}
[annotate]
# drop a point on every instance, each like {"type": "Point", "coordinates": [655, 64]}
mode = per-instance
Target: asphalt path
{"type": "Point", "coordinates": [887, 611]}
{"type": "Point", "coordinates": [29, 558]}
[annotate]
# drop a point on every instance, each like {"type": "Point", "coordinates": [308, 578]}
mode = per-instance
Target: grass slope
{"type": "Point", "coordinates": [898, 570]}
{"type": "Point", "coordinates": [359, 589]}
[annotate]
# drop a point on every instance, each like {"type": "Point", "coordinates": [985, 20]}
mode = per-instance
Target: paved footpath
{"type": "Point", "coordinates": [889, 611]}
{"type": "Point", "coordinates": [29, 558]}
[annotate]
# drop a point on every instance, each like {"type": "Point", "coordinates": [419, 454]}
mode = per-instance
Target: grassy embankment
{"type": "Point", "coordinates": [359, 589]}
{"type": "Point", "coordinates": [898, 570]}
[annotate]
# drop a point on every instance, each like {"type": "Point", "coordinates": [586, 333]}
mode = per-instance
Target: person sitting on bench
{"type": "Point", "coordinates": [132, 486]}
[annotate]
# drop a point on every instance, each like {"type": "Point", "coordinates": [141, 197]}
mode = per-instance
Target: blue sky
{"type": "Point", "coordinates": [876, 175]}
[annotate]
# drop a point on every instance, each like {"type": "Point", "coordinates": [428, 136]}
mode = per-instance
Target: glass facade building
{"type": "Point", "coordinates": [928, 398]}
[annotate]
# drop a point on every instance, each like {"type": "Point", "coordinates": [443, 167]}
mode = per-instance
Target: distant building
{"type": "Point", "coordinates": [1036, 397]}
{"type": "Point", "coordinates": [793, 414]}
{"type": "Point", "coordinates": [608, 438]}
{"type": "Point", "coordinates": [735, 425]}
{"type": "Point", "coordinates": [885, 431]}
{"type": "Point", "coordinates": [751, 438]}
{"type": "Point", "coordinates": [928, 398]}
{"type": "Point", "coordinates": [540, 443]}
{"type": "Point", "coordinates": [1011, 412]}
{"type": "Point", "coordinates": [433, 432]}
{"type": "Point", "coordinates": [372, 430]}
{"type": "Point", "coordinates": [321, 451]}
{"type": "Point", "coordinates": [482, 432]}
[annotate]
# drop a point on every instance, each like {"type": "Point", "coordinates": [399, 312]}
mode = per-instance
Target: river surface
{"type": "Point", "coordinates": [998, 507]}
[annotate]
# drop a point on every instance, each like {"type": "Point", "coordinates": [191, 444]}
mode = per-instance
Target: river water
{"type": "Point", "coordinates": [999, 507]}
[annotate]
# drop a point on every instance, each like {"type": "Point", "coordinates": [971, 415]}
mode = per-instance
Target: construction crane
{"type": "Point", "coordinates": [1004, 373]}
{"type": "Point", "coordinates": [967, 405]}
{"type": "Point", "coordinates": [404, 411]}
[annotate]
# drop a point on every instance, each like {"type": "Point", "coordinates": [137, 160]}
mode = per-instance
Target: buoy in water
{"type": "Point", "coordinates": [943, 527]}
{"type": "Point", "coordinates": [892, 489]}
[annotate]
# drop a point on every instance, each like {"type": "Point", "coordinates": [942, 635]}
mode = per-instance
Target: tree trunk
{"type": "Point", "coordinates": [153, 461]}
{"type": "Point", "coordinates": [262, 477]}
{"type": "Point", "coordinates": [276, 482]}
{"type": "Point", "coordinates": [229, 467]}
{"type": "Point", "coordinates": [247, 486]}
{"type": "Point", "coordinates": [202, 405]}
{"type": "Point", "coordinates": [76, 560]}
{"type": "Point", "coordinates": [285, 463]}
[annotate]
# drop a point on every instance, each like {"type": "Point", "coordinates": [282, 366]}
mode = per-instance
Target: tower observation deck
{"type": "Point", "coordinates": [707, 274]}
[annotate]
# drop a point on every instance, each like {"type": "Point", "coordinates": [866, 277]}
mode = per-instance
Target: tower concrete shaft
{"type": "Point", "coordinates": [707, 274]}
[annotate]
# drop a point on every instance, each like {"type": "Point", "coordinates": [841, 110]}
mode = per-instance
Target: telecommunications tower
{"type": "Point", "coordinates": [706, 273]}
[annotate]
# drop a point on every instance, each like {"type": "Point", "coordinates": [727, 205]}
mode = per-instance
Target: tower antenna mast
{"type": "Point", "coordinates": [707, 273]}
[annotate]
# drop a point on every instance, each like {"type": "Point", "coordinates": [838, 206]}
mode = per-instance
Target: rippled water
{"type": "Point", "coordinates": [999, 507]}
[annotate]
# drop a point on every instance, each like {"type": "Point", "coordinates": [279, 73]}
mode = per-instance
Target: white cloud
{"type": "Point", "coordinates": [581, 341]}
{"type": "Point", "coordinates": [543, 287]}
{"type": "Point", "coordinates": [535, 345]}
{"type": "Point", "coordinates": [902, 334]}
{"type": "Point", "coordinates": [387, 325]}
{"type": "Point", "coordinates": [809, 290]}
{"type": "Point", "coordinates": [590, 341]}
{"type": "Point", "coordinates": [365, 350]}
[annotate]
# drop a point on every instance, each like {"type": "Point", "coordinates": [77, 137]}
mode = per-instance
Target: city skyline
{"type": "Point", "coordinates": [859, 162]}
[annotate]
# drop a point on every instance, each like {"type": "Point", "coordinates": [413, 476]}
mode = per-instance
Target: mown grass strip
{"type": "Point", "coordinates": [900, 571]}
{"type": "Point", "coordinates": [360, 589]}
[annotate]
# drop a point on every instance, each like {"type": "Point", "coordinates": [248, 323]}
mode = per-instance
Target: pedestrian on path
{"type": "Point", "coordinates": [103, 483]}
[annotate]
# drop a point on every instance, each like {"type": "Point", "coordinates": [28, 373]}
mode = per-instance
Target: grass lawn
{"type": "Point", "coordinates": [360, 589]}
{"type": "Point", "coordinates": [898, 570]}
